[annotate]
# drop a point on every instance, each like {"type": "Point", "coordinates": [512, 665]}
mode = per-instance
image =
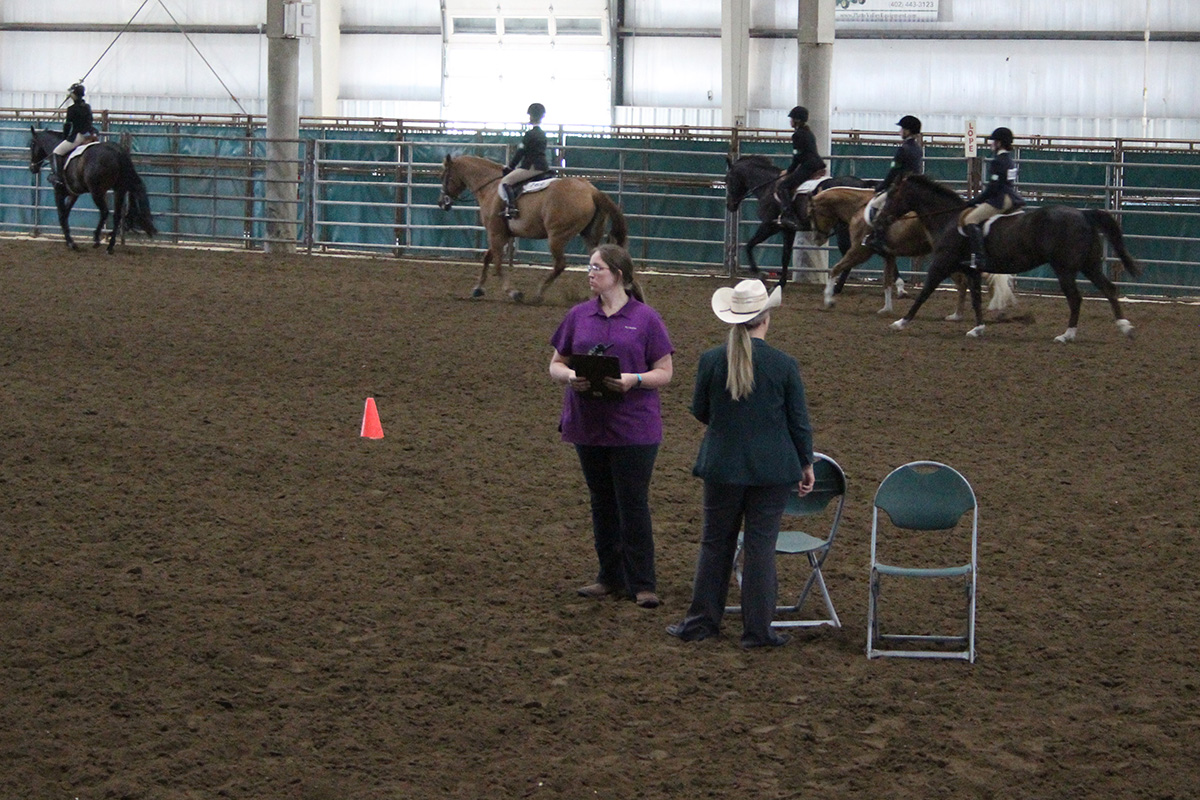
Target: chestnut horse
{"type": "Point", "coordinates": [566, 208]}
{"type": "Point", "coordinates": [906, 236]}
{"type": "Point", "coordinates": [1068, 239]}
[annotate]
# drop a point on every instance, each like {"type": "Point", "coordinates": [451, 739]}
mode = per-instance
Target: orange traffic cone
{"type": "Point", "coordinates": [371, 428]}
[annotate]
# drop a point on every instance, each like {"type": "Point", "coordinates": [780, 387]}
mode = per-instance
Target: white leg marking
{"type": "Point", "coordinates": [955, 317]}
{"type": "Point", "coordinates": [1125, 327]}
{"type": "Point", "coordinates": [900, 288]}
{"type": "Point", "coordinates": [976, 332]}
{"type": "Point", "coordinates": [829, 285]}
{"type": "Point", "coordinates": [887, 302]}
{"type": "Point", "coordinates": [899, 325]}
{"type": "Point", "coordinates": [1067, 336]}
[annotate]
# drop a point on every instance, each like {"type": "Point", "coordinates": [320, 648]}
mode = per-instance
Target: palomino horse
{"type": "Point", "coordinates": [101, 167]}
{"type": "Point", "coordinates": [907, 236]}
{"type": "Point", "coordinates": [757, 175]}
{"type": "Point", "coordinates": [569, 206]}
{"type": "Point", "coordinates": [1068, 239]}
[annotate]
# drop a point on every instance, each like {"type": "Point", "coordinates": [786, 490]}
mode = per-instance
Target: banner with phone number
{"type": "Point", "coordinates": [886, 11]}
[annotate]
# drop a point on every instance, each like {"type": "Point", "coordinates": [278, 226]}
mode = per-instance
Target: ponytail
{"type": "Point", "coordinates": [739, 357]}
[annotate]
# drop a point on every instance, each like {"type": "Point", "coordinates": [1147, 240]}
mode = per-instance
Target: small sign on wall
{"type": "Point", "coordinates": [970, 149]}
{"type": "Point", "coordinates": [886, 10]}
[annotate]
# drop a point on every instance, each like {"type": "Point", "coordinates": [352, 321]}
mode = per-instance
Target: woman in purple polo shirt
{"type": "Point", "coordinates": [616, 437]}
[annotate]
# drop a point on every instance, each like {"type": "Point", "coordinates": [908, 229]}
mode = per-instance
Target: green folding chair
{"type": "Point", "coordinates": [830, 488]}
{"type": "Point", "coordinates": [923, 496]}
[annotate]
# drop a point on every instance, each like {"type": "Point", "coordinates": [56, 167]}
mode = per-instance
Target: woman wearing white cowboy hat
{"type": "Point", "coordinates": [757, 448]}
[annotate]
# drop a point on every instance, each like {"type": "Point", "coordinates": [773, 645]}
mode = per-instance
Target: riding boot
{"type": "Point", "coordinates": [57, 164]}
{"type": "Point", "coordinates": [978, 255]}
{"type": "Point", "coordinates": [876, 241]}
{"type": "Point", "coordinates": [510, 204]}
{"type": "Point", "coordinates": [788, 217]}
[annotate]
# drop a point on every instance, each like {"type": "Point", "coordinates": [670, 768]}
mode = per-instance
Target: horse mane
{"type": "Point", "coordinates": [933, 186]}
{"type": "Point", "coordinates": [757, 161]}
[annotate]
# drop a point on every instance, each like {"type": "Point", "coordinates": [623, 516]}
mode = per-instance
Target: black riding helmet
{"type": "Point", "coordinates": [76, 90]}
{"type": "Point", "coordinates": [910, 123]}
{"type": "Point", "coordinates": [1002, 135]}
{"type": "Point", "coordinates": [799, 113]}
{"type": "Point", "coordinates": [536, 110]}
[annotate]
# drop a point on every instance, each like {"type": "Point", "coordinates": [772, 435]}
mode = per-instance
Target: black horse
{"type": "Point", "coordinates": [101, 167]}
{"type": "Point", "coordinates": [1068, 239]}
{"type": "Point", "coordinates": [758, 175]}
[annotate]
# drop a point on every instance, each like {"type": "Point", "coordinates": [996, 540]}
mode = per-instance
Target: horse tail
{"type": "Point", "coordinates": [606, 209]}
{"type": "Point", "coordinates": [1107, 224]}
{"type": "Point", "coordinates": [137, 213]}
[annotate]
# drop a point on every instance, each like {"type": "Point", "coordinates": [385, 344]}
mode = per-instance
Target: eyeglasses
{"type": "Point", "coordinates": [596, 267]}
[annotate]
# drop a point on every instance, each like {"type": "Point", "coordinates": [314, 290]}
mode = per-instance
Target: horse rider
{"type": "Point", "coordinates": [528, 162]}
{"type": "Point", "coordinates": [77, 129]}
{"type": "Point", "coordinates": [999, 196]}
{"type": "Point", "coordinates": [806, 164]}
{"type": "Point", "coordinates": [909, 158]}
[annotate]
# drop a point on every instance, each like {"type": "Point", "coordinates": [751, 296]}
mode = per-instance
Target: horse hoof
{"type": "Point", "coordinates": [1125, 327]}
{"type": "Point", "coordinates": [476, 293]}
{"type": "Point", "coordinates": [956, 317]}
{"type": "Point", "coordinates": [899, 325]}
{"type": "Point", "coordinates": [976, 332]}
{"type": "Point", "coordinates": [884, 310]}
{"type": "Point", "coordinates": [517, 296]}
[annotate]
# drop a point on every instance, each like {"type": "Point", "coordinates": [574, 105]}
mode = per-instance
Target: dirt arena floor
{"type": "Point", "coordinates": [212, 587]}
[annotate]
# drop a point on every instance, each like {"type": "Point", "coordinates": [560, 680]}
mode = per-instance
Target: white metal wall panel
{"type": "Point", "coordinates": [187, 12]}
{"type": "Point", "coordinates": [415, 13]}
{"type": "Point", "coordinates": [376, 67]}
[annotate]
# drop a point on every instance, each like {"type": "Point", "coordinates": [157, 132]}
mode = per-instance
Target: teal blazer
{"type": "Point", "coordinates": [761, 440]}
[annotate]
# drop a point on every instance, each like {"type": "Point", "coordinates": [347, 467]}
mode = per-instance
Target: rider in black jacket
{"type": "Point", "coordinates": [909, 158]}
{"type": "Point", "coordinates": [806, 164]}
{"type": "Point", "coordinates": [528, 162]}
{"type": "Point", "coordinates": [77, 128]}
{"type": "Point", "coordinates": [998, 196]}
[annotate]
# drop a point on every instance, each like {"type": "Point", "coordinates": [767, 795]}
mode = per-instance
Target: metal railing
{"type": "Point", "coordinates": [372, 186]}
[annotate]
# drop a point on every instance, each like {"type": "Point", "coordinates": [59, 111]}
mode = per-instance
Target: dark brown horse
{"type": "Point", "coordinates": [758, 175]}
{"type": "Point", "coordinates": [1068, 239]}
{"type": "Point", "coordinates": [101, 167]}
{"type": "Point", "coordinates": [907, 236]}
{"type": "Point", "coordinates": [567, 208]}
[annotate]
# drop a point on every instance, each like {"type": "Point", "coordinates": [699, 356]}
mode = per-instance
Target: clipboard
{"type": "Point", "coordinates": [596, 369]}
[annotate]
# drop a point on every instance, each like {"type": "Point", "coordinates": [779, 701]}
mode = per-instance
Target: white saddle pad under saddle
{"type": "Point", "coordinates": [987, 223]}
{"type": "Point", "coordinates": [77, 151]}
{"type": "Point", "coordinates": [810, 185]}
{"type": "Point", "coordinates": [536, 186]}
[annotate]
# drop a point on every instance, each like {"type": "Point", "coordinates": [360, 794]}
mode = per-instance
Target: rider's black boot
{"type": "Point", "coordinates": [876, 242]}
{"type": "Point", "coordinates": [978, 255]}
{"type": "Point", "coordinates": [510, 206]}
{"type": "Point", "coordinates": [56, 167]}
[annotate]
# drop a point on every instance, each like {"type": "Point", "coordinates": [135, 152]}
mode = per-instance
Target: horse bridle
{"type": "Point", "coordinates": [446, 201]}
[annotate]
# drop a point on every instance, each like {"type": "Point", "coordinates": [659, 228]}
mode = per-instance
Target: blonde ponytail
{"type": "Point", "coordinates": [739, 357]}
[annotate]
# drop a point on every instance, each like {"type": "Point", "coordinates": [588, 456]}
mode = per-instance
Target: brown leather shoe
{"type": "Point", "coordinates": [594, 590]}
{"type": "Point", "coordinates": [647, 600]}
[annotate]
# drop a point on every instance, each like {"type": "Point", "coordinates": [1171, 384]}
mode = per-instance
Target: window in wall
{"type": "Point", "coordinates": [474, 25]}
{"type": "Point", "coordinates": [502, 55]}
{"type": "Point", "coordinates": [527, 26]}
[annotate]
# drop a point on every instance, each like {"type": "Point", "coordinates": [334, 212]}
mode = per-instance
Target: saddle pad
{"type": "Point", "coordinates": [77, 151]}
{"type": "Point", "coordinates": [987, 223]}
{"type": "Point", "coordinates": [536, 186]}
{"type": "Point", "coordinates": [810, 185]}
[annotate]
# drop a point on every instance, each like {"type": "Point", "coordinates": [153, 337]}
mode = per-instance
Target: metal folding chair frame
{"type": "Point", "coordinates": [831, 485]}
{"type": "Point", "coordinates": [927, 514]}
